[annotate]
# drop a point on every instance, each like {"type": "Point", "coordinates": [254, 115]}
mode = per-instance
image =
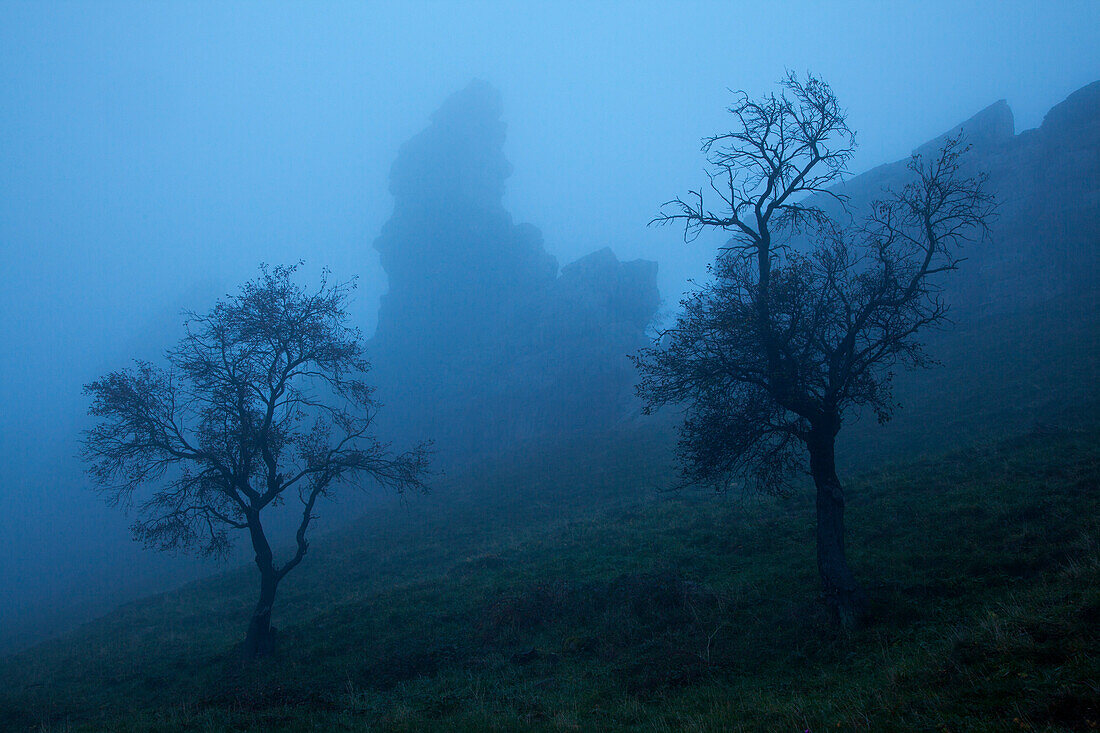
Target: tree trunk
{"type": "Point", "coordinates": [843, 595]}
{"type": "Point", "coordinates": [260, 639]}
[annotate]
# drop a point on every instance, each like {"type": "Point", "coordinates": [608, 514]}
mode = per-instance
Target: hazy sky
{"type": "Point", "coordinates": [153, 153]}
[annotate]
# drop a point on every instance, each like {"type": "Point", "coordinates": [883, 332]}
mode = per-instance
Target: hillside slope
{"type": "Point", "coordinates": [691, 612]}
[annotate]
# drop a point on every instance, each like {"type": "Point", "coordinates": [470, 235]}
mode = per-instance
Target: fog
{"type": "Point", "coordinates": [153, 154]}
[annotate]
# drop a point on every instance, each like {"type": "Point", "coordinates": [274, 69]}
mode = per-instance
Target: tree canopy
{"type": "Point", "coordinates": [807, 314]}
{"type": "Point", "coordinates": [263, 399]}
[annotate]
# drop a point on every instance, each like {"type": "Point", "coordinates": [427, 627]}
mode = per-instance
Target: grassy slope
{"type": "Point", "coordinates": [524, 608]}
{"type": "Point", "coordinates": [999, 376]}
{"type": "Point", "coordinates": [690, 612]}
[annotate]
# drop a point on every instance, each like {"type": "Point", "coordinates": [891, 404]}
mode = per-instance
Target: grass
{"type": "Point", "coordinates": [689, 612]}
{"type": "Point", "coordinates": [554, 588]}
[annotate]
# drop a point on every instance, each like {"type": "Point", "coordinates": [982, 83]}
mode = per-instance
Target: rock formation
{"type": "Point", "coordinates": [1046, 238]}
{"type": "Point", "coordinates": [1024, 348]}
{"type": "Point", "coordinates": [481, 342]}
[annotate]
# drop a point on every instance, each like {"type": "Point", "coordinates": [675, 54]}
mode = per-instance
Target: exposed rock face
{"type": "Point", "coordinates": [1046, 238]}
{"type": "Point", "coordinates": [480, 341]}
{"type": "Point", "coordinates": [1024, 344]}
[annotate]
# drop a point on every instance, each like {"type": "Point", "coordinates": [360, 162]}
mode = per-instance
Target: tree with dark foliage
{"type": "Point", "coordinates": [262, 400]}
{"type": "Point", "coordinates": [770, 355]}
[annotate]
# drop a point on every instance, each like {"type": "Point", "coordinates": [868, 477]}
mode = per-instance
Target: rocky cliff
{"type": "Point", "coordinates": [1046, 238]}
{"type": "Point", "coordinates": [481, 341]}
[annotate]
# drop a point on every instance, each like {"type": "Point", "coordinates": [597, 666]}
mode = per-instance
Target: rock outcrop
{"type": "Point", "coordinates": [1045, 239]}
{"type": "Point", "coordinates": [481, 342]}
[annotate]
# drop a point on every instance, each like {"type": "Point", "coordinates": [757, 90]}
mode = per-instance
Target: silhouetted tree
{"type": "Point", "coordinates": [262, 399]}
{"type": "Point", "coordinates": [784, 340]}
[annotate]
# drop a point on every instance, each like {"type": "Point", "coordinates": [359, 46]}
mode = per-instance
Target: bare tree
{"type": "Point", "coordinates": [783, 341]}
{"type": "Point", "coordinates": [262, 400]}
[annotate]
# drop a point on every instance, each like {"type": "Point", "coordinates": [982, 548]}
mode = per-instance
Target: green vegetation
{"type": "Point", "coordinates": [688, 612]}
{"type": "Point", "coordinates": [557, 589]}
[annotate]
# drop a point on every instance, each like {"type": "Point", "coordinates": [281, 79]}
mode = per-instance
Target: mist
{"type": "Point", "coordinates": [153, 155]}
